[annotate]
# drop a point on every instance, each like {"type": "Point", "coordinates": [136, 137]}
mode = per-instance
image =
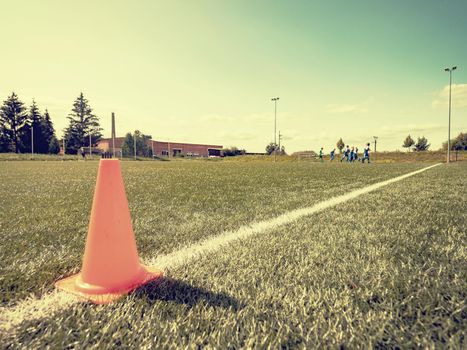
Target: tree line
{"type": "Point", "coordinates": [27, 130]}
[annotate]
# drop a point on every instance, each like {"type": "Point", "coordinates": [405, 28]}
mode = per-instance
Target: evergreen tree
{"type": "Point", "coordinates": [49, 131]}
{"type": "Point", "coordinates": [422, 144]}
{"type": "Point", "coordinates": [54, 147]}
{"type": "Point", "coordinates": [340, 145]}
{"type": "Point", "coordinates": [13, 118]}
{"type": "Point", "coordinates": [82, 124]}
{"type": "Point", "coordinates": [408, 142]}
{"type": "Point", "coordinates": [5, 142]}
{"type": "Point", "coordinates": [36, 122]}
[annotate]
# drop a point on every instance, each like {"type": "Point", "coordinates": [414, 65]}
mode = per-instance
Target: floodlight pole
{"type": "Point", "coordinates": [275, 99]}
{"type": "Point", "coordinates": [448, 156]}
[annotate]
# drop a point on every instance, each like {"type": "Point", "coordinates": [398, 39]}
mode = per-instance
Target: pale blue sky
{"type": "Point", "coordinates": [204, 71]}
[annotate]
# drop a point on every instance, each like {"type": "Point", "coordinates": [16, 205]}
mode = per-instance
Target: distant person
{"type": "Point", "coordinates": [356, 154]}
{"type": "Point", "coordinates": [321, 154]}
{"type": "Point", "coordinates": [352, 155]}
{"type": "Point", "coordinates": [83, 154]}
{"type": "Point", "coordinates": [346, 153]}
{"type": "Point", "coordinates": [332, 154]}
{"type": "Point", "coordinates": [366, 153]}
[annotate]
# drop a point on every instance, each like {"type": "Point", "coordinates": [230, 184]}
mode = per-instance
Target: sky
{"type": "Point", "coordinates": [205, 71]}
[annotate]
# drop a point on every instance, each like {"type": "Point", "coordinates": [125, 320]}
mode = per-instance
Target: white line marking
{"type": "Point", "coordinates": [209, 245]}
{"type": "Point", "coordinates": [37, 308]}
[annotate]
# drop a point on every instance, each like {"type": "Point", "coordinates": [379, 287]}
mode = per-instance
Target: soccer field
{"type": "Point", "coordinates": [384, 268]}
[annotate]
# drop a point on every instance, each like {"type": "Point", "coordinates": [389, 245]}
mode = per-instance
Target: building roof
{"type": "Point", "coordinates": [119, 142]}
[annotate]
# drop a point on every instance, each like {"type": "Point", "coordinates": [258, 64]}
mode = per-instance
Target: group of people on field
{"type": "Point", "coordinates": [350, 154]}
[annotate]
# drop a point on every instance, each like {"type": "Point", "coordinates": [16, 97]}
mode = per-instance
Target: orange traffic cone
{"type": "Point", "coordinates": [111, 266]}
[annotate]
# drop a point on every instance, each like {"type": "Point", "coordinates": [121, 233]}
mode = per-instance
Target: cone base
{"type": "Point", "coordinates": [69, 284]}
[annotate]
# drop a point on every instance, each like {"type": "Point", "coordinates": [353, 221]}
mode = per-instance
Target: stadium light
{"type": "Point", "coordinates": [448, 156]}
{"type": "Point", "coordinates": [275, 99]}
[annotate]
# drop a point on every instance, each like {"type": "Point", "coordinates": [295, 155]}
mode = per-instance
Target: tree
{"type": "Point", "coordinates": [142, 148]}
{"type": "Point", "coordinates": [408, 142]}
{"type": "Point", "coordinates": [233, 151]}
{"type": "Point", "coordinates": [5, 142]}
{"type": "Point", "coordinates": [36, 123]}
{"type": "Point", "coordinates": [271, 147]}
{"type": "Point", "coordinates": [13, 118]}
{"type": "Point", "coordinates": [459, 143]}
{"type": "Point", "coordinates": [340, 145]}
{"type": "Point", "coordinates": [54, 146]}
{"type": "Point", "coordinates": [422, 144]}
{"type": "Point", "coordinates": [82, 124]}
{"type": "Point", "coordinates": [49, 133]}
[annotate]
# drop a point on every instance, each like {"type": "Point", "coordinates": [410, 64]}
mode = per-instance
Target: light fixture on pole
{"type": "Point", "coordinates": [448, 156]}
{"type": "Point", "coordinates": [275, 99]}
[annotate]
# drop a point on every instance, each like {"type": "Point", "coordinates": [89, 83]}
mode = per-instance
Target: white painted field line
{"type": "Point", "coordinates": [33, 309]}
{"type": "Point", "coordinates": [182, 256]}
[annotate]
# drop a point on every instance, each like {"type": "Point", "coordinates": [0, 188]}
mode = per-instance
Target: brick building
{"type": "Point", "coordinates": [164, 149]}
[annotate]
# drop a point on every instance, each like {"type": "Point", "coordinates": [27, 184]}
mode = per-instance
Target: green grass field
{"type": "Point", "coordinates": [384, 269]}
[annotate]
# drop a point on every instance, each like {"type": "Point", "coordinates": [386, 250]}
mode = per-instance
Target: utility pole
{"type": "Point", "coordinates": [275, 99]}
{"type": "Point", "coordinates": [448, 157]}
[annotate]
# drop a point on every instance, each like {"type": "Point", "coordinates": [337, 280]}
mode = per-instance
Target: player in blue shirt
{"type": "Point", "coordinates": [332, 154]}
{"type": "Point", "coordinates": [366, 153]}
{"type": "Point", "coordinates": [346, 153]}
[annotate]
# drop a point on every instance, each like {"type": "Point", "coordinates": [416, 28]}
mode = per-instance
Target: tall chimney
{"type": "Point", "coordinates": [113, 134]}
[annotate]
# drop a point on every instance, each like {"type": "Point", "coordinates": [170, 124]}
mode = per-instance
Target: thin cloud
{"type": "Point", "coordinates": [357, 108]}
{"type": "Point", "coordinates": [458, 97]}
{"type": "Point", "coordinates": [218, 118]}
{"type": "Point", "coordinates": [411, 128]}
